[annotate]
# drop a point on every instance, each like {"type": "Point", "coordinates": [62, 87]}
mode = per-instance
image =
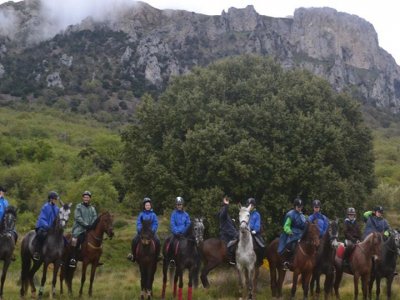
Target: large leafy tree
{"type": "Point", "coordinates": [246, 127]}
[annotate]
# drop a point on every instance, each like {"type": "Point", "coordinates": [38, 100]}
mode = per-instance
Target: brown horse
{"type": "Point", "coordinates": [91, 250]}
{"type": "Point", "coordinates": [303, 263]}
{"type": "Point", "coordinates": [360, 262]}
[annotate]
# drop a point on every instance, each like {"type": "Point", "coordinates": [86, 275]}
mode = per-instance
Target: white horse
{"type": "Point", "coordinates": [245, 255]}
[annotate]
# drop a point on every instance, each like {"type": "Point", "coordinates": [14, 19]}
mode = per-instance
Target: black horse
{"type": "Point", "coordinates": [326, 260]}
{"type": "Point", "coordinates": [52, 252]}
{"type": "Point", "coordinates": [8, 239]}
{"type": "Point", "coordinates": [147, 252]}
{"type": "Point", "coordinates": [386, 266]}
{"type": "Point", "coordinates": [186, 256]}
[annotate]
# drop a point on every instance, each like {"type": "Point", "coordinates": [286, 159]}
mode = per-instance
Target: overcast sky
{"type": "Point", "coordinates": [384, 15]}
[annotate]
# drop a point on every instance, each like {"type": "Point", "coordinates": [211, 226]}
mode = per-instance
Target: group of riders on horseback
{"type": "Point", "coordinates": [293, 228]}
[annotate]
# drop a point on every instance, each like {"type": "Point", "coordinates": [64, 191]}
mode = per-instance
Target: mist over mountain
{"type": "Point", "coordinates": [92, 56]}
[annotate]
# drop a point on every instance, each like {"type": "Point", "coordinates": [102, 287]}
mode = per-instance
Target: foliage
{"type": "Point", "coordinates": [245, 127]}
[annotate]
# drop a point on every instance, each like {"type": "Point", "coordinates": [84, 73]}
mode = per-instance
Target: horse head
{"type": "Point", "coordinates": [311, 234]}
{"type": "Point", "coordinates": [244, 218]}
{"type": "Point", "coordinates": [10, 218]}
{"type": "Point", "coordinates": [106, 222]}
{"type": "Point", "coordinates": [333, 233]}
{"type": "Point", "coordinates": [375, 240]}
{"type": "Point", "coordinates": [198, 230]}
{"type": "Point", "coordinates": [64, 213]}
{"type": "Point", "coordinates": [395, 240]}
{"type": "Point", "coordinates": [146, 234]}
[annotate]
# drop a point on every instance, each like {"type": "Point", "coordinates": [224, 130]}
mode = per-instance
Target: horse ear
{"type": "Point", "coordinates": [70, 205]}
{"type": "Point", "coordinates": [248, 207]}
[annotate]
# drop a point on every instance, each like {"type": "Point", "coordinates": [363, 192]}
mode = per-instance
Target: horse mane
{"type": "Point", "coordinates": [96, 222]}
{"type": "Point", "coordinates": [12, 210]}
{"type": "Point", "coordinates": [146, 227]}
{"type": "Point", "coordinates": [189, 231]}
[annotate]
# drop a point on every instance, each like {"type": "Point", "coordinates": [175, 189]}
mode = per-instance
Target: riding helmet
{"type": "Point", "coordinates": [52, 195]}
{"type": "Point", "coordinates": [351, 211]}
{"type": "Point", "coordinates": [145, 200]}
{"type": "Point", "coordinates": [87, 193]}
{"type": "Point", "coordinates": [251, 201]}
{"type": "Point", "coordinates": [316, 203]}
{"type": "Point", "coordinates": [378, 208]}
{"type": "Point", "coordinates": [3, 189]}
{"type": "Point", "coordinates": [298, 202]}
{"type": "Point", "coordinates": [179, 200]}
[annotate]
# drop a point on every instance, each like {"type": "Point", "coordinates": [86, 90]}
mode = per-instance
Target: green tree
{"type": "Point", "coordinates": [245, 127]}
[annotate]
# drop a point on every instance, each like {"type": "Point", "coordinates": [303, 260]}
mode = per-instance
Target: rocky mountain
{"type": "Point", "coordinates": [107, 64]}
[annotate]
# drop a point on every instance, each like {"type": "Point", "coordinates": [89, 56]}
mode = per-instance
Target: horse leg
{"type": "Point", "coordinates": [378, 288]}
{"type": "Point", "coordinates": [294, 284]}
{"type": "Point", "coordinates": [364, 284]}
{"type": "Point", "coordinates": [281, 278]}
{"type": "Point", "coordinates": [389, 281]}
{"type": "Point", "coordinates": [83, 278]}
{"type": "Point", "coordinates": [92, 274]}
{"type": "Point", "coordinates": [180, 287]}
{"type": "Point", "coordinates": [192, 272]}
{"type": "Point", "coordinates": [305, 279]}
{"type": "Point", "coordinates": [208, 266]}
{"type": "Point", "coordinates": [54, 281]}
{"type": "Point", "coordinates": [3, 275]}
{"type": "Point", "coordinates": [255, 278]}
{"type": "Point", "coordinates": [329, 277]}
{"type": "Point", "coordinates": [165, 271]}
{"type": "Point", "coordinates": [35, 267]}
{"type": "Point", "coordinates": [338, 279]}
{"type": "Point", "coordinates": [43, 282]}
{"type": "Point", "coordinates": [250, 278]}
{"type": "Point", "coordinates": [355, 279]}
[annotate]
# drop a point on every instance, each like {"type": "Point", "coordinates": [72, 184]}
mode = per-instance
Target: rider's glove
{"type": "Point", "coordinates": [253, 232]}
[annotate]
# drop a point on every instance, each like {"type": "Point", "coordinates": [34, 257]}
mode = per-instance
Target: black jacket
{"type": "Point", "coordinates": [227, 228]}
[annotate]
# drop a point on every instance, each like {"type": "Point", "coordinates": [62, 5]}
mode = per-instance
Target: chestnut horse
{"type": "Point", "coordinates": [303, 262]}
{"type": "Point", "coordinates": [360, 263]}
{"type": "Point", "coordinates": [91, 250]}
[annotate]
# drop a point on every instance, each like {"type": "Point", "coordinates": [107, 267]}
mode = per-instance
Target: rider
{"type": "Point", "coordinates": [146, 214]}
{"type": "Point", "coordinates": [322, 220]}
{"type": "Point", "coordinates": [294, 224]}
{"type": "Point", "coordinates": [227, 230]}
{"type": "Point", "coordinates": [375, 222]}
{"type": "Point", "coordinates": [255, 228]}
{"type": "Point", "coordinates": [48, 214]}
{"type": "Point", "coordinates": [352, 234]}
{"type": "Point", "coordinates": [180, 222]}
{"type": "Point", "coordinates": [3, 203]}
{"type": "Point", "coordinates": [84, 217]}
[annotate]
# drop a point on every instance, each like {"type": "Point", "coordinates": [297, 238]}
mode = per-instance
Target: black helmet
{"type": "Point", "coordinates": [316, 203]}
{"type": "Point", "coordinates": [52, 195]}
{"type": "Point", "coordinates": [179, 200]}
{"type": "Point", "coordinates": [378, 208]}
{"type": "Point", "coordinates": [251, 201]}
{"type": "Point", "coordinates": [351, 211]}
{"type": "Point", "coordinates": [145, 200]}
{"type": "Point", "coordinates": [298, 202]}
{"type": "Point", "coordinates": [87, 193]}
{"type": "Point", "coordinates": [3, 189]}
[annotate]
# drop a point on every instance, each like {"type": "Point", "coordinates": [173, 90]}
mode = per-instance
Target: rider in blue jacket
{"type": "Point", "coordinates": [146, 214]}
{"type": "Point", "coordinates": [294, 225]}
{"type": "Point", "coordinates": [45, 221]}
{"type": "Point", "coordinates": [375, 222]}
{"type": "Point", "coordinates": [180, 222]}
{"type": "Point", "coordinates": [3, 203]}
{"type": "Point", "coordinates": [255, 228]}
{"type": "Point", "coordinates": [322, 220]}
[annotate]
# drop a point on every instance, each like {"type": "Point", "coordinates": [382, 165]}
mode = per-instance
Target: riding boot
{"type": "Point", "coordinates": [74, 254]}
{"type": "Point", "coordinates": [231, 255]}
{"type": "Point", "coordinates": [132, 256]}
{"type": "Point", "coordinates": [346, 256]}
{"type": "Point", "coordinates": [38, 246]}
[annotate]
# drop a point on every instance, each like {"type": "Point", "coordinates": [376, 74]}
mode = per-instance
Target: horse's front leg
{"type": "Point", "coordinates": [294, 284]}
{"type": "Point", "coordinates": [43, 282]}
{"type": "Point", "coordinates": [365, 283]}
{"type": "Point", "coordinates": [389, 282]}
{"type": "Point", "coordinates": [92, 274]}
{"type": "Point", "coordinates": [328, 284]}
{"type": "Point", "coordinates": [338, 279]}
{"type": "Point", "coordinates": [305, 280]}
{"type": "Point", "coordinates": [32, 272]}
{"type": "Point", "coordinates": [180, 285]}
{"type": "Point", "coordinates": [83, 278]}
{"type": "Point", "coordinates": [165, 271]}
{"type": "Point", "coordinates": [192, 272]}
{"type": "Point", "coordinates": [54, 281]}
{"type": "Point", "coordinates": [355, 279]}
{"type": "Point", "coordinates": [251, 275]}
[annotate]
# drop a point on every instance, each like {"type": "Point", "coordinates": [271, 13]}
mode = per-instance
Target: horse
{"type": "Point", "coordinates": [213, 252]}
{"type": "Point", "coordinates": [51, 252]}
{"type": "Point", "coordinates": [91, 250]}
{"type": "Point", "coordinates": [360, 261]}
{"type": "Point", "coordinates": [186, 255]}
{"type": "Point", "coordinates": [303, 263]}
{"type": "Point", "coordinates": [386, 266]}
{"type": "Point", "coordinates": [147, 252]}
{"type": "Point", "coordinates": [7, 241]}
{"type": "Point", "coordinates": [326, 260]}
{"type": "Point", "coordinates": [246, 256]}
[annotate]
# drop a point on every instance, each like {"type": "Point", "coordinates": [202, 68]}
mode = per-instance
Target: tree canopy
{"type": "Point", "coordinates": [245, 127]}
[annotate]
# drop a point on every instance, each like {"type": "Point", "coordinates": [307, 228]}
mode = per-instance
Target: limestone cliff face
{"type": "Point", "coordinates": [154, 45]}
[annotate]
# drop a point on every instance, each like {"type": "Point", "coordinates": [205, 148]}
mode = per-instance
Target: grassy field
{"type": "Point", "coordinates": [120, 279]}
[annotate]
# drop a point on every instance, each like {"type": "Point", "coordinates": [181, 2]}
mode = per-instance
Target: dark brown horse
{"type": "Point", "coordinates": [326, 260]}
{"type": "Point", "coordinates": [91, 250]}
{"type": "Point", "coordinates": [214, 253]}
{"type": "Point", "coordinates": [147, 252]}
{"type": "Point", "coordinates": [303, 262]}
{"type": "Point", "coordinates": [386, 266]}
{"type": "Point", "coordinates": [360, 263]}
{"type": "Point", "coordinates": [7, 241]}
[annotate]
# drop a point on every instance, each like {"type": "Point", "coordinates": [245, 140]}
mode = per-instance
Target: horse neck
{"type": "Point", "coordinates": [245, 240]}
{"type": "Point", "coordinates": [366, 247]}
{"type": "Point", "coordinates": [389, 252]}
{"type": "Point", "coordinates": [307, 244]}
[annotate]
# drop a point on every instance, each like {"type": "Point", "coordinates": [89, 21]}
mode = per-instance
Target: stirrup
{"type": "Point", "coordinates": [233, 263]}
{"type": "Point", "coordinates": [286, 265]}
{"type": "Point", "coordinates": [72, 263]}
{"type": "Point", "coordinates": [130, 257]}
{"type": "Point", "coordinates": [172, 263]}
